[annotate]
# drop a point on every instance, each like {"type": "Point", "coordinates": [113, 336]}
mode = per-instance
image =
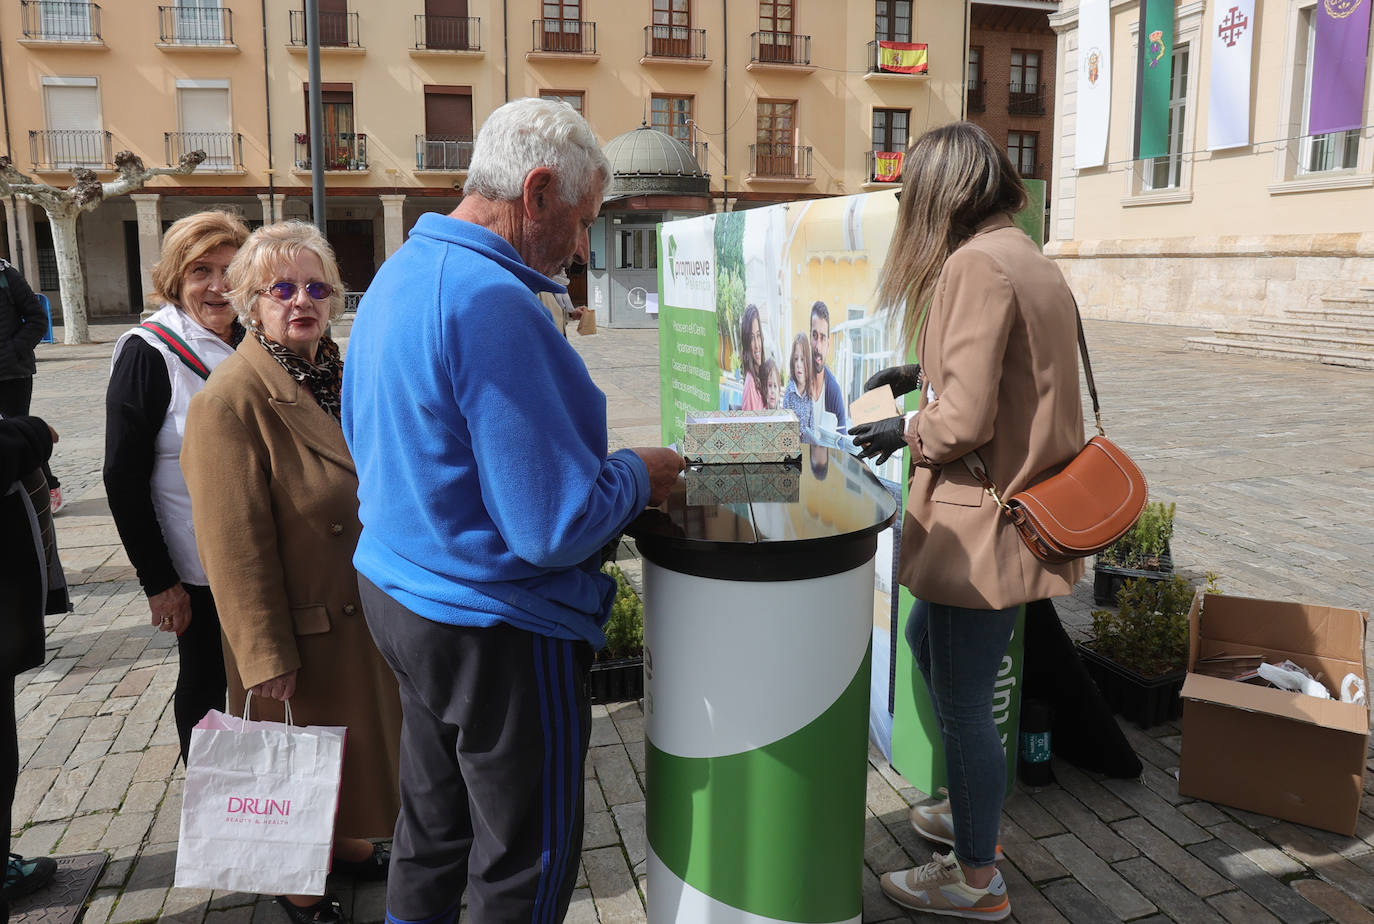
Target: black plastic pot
{"type": "Point", "coordinates": [1146, 701]}
{"type": "Point", "coordinates": [617, 681]}
{"type": "Point", "coordinates": [1109, 579]}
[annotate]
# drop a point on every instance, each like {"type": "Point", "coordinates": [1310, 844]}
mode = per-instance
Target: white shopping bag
{"type": "Point", "coordinates": [259, 805]}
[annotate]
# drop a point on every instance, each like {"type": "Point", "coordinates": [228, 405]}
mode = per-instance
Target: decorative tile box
{"type": "Point", "coordinates": [717, 437]}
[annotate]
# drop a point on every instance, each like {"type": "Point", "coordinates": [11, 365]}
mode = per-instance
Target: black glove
{"type": "Point", "coordinates": [902, 379]}
{"type": "Point", "coordinates": [884, 436]}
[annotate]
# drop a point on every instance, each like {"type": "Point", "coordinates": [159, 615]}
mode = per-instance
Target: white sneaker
{"type": "Point", "coordinates": [933, 819]}
{"type": "Point", "coordinates": [939, 888]}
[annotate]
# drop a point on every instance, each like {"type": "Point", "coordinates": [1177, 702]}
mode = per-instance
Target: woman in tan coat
{"type": "Point", "coordinates": [274, 502]}
{"type": "Point", "coordinates": [994, 326]}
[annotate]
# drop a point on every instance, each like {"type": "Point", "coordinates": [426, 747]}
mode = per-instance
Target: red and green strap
{"type": "Point", "coordinates": [179, 347]}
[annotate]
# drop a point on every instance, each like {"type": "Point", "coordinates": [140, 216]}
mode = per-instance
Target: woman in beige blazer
{"type": "Point", "coordinates": [275, 508]}
{"type": "Point", "coordinates": [994, 326]}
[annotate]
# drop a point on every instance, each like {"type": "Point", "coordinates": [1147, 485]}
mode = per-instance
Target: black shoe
{"type": "Point", "coordinates": [373, 869]}
{"type": "Point", "coordinates": [24, 877]}
{"type": "Point", "coordinates": [325, 911]}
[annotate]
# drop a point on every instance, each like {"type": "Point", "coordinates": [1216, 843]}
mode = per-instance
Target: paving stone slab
{"type": "Point", "coordinates": [1160, 813]}
{"type": "Point", "coordinates": [1307, 850]}
{"type": "Point", "coordinates": [1077, 904]}
{"type": "Point", "coordinates": [1092, 872]}
{"type": "Point", "coordinates": [1342, 908]}
{"type": "Point", "coordinates": [1272, 894]}
{"type": "Point", "coordinates": [1085, 825]}
{"type": "Point", "coordinates": [1192, 873]}
{"type": "Point", "coordinates": [1166, 892]}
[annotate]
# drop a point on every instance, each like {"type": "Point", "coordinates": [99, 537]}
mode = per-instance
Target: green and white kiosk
{"type": "Point", "coordinates": [758, 625]}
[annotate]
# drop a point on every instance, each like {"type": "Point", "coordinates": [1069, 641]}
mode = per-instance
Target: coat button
{"type": "Point", "coordinates": [336, 528]}
{"type": "Point", "coordinates": [349, 609]}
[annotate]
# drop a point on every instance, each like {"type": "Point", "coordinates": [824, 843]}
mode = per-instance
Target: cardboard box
{"type": "Point", "coordinates": [717, 437]}
{"type": "Point", "coordinates": [1266, 750]}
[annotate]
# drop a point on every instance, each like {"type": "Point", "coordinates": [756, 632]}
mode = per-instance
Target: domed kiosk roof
{"type": "Point", "coordinates": [645, 161]}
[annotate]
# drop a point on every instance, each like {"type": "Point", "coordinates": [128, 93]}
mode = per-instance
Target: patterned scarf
{"type": "Point", "coordinates": [323, 377]}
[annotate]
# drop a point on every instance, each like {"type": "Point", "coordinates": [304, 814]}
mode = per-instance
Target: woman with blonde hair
{"type": "Point", "coordinates": [274, 498]}
{"type": "Point", "coordinates": [995, 328]}
{"type": "Point", "coordinates": [157, 368]}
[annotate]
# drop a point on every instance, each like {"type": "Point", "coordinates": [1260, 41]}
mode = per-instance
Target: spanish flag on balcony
{"type": "Point", "coordinates": [887, 166]}
{"type": "Point", "coordinates": [902, 57]}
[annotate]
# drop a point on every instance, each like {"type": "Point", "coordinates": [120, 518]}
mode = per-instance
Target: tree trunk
{"type": "Point", "coordinates": [71, 282]}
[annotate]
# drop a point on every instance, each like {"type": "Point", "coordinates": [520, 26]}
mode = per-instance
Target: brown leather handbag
{"type": "Point", "coordinates": [1084, 507]}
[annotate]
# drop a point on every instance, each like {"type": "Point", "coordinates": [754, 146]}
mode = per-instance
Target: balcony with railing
{"type": "Point", "coordinates": [337, 30]}
{"type": "Point", "coordinates": [447, 33]}
{"type": "Point", "coordinates": [1031, 171]}
{"type": "Point", "coordinates": [60, 21]}
{"type": "Point", "coordinates": [65, 148]}
{"type": "Point", "coordinates": [977, 96]}
{"type": "Point", "coordinates": [564, 37]}
{"type": "Point", "coordinates": [677, 44]}
{"type": "Point", "coordinates": [342, 151]}
{"type": "Point", "coordinates": [780, 49]}
{"type": "Point", "coordinates": [223, 150]}
{"type": "Point", "coordinates": [1026, 99]}
{"type": "Point", "coordinates": [884, 167]}
{"type": "Point", "coordinates": [442, 154]}
{"type": "Point", "coordinates": [897, 60]}
{"type": "Point", "coordinates": [195, 26]}
{"type": "Point", "coordinates": [771, 161]}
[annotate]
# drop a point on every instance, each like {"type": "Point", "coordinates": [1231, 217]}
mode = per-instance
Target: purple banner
{"type": "Point", "coordinates": [1338, 66]}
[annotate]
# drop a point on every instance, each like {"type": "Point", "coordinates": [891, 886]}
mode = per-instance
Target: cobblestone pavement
{"type": "Point", "coordinates": [1272, 467]}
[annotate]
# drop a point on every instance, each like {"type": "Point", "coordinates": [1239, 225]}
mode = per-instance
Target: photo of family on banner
{"type": "Point", "coordinates": [772, 309]}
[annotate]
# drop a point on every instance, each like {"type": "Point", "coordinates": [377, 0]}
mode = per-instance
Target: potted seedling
{"type": "Point", "coordinates": [1138, 654]}
{"type": "Point", "coordinates": [1142, 553]}
{"type": "Point", "coordinates": [618, 671]}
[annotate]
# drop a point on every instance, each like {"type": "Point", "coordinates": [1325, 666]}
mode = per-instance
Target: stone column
{"type": "Point", "coordinates": [149, 209]}
{"type": "Point", "coordinates": [393, 224]}
{"type": "Point", "coordinates": [273, 207]}
{"type": "Point", "coordinates": [19, 223]}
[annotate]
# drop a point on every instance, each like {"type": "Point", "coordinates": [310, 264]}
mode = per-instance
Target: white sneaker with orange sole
{"type": "Point", "coordinates": [939, 887]}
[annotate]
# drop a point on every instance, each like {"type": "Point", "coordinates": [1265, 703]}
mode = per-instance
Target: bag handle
{"type": "Point", "coordinates": [248, 704]}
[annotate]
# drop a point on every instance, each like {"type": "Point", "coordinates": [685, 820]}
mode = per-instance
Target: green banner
{"type": "Point", "coordinates": [1154, 69]}
{"type": "Point", "coordinates": [690, 344]}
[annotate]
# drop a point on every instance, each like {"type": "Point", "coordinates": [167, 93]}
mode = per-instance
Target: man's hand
{"type": "Point", "coordinates": [52, 433]}
{"type": "Point", "coordinates": [664, 466]}
{"type": "Point", "coordinates": [171, 609]}
{"type": "Point", "coordinates": [575, 314]}
{"type": "Point", "coordinates": [883, 437]}
{"type": "Point", "coordinates": [902, 379]}
{"type": "Point", "coordinates": [279, 688]}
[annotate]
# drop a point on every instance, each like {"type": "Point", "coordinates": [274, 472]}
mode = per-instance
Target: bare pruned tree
{"type": "Point", "coordinates": [64, 207]}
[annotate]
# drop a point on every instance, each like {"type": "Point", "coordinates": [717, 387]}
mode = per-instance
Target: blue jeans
{"type": "Point", "coordinates": [959, 652]}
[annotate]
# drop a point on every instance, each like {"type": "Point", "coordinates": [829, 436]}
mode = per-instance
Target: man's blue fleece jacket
{"type": "Point", "coordinates": [484, 487]}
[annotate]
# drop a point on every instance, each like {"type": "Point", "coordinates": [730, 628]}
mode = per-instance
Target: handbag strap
{"type": "Point", "coordinates": [180, 348]}
{"type": "Point", "coordinates": [980, 470]}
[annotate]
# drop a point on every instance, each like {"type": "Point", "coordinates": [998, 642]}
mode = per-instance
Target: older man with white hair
{"type": "Point", "coordinates": [486, 496]}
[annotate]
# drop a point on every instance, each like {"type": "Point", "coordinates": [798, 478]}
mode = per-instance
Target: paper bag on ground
{"type": "Point", "coordinates": [258, 810]}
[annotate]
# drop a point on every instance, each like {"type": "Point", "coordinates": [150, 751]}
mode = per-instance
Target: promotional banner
{"type": "Point", "coordinates": [1338, 66]}
{"type": "Point", "coordinates": [1094, 83]}
{"type": "Point", "coordinates": [1228, 107]}
{"type": "Point", "coordinates": [1154, 68]}
{"type": "Point", "coordinates": [777, 302]}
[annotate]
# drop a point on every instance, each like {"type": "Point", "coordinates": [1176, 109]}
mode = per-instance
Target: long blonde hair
{"type": "Point", "coordinates": [953, 178]}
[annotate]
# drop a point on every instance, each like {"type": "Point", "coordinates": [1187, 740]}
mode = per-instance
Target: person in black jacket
{"type": "Point", "coordinates": [23, 322]}
{"type": "Point", "coordinates": [31, 585]}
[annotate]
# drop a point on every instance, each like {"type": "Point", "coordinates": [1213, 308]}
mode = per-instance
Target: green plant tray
{"type": "Point", "coordinates": [1146, 701]}
{"type": "Point", "coordinates": [617, 681]}
{"type": "Point", "coordinates": [1109, 579]}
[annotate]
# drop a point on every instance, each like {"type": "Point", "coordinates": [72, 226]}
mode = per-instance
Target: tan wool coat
{"type": "Point", "coordinates": [275, 507]}
{"type": "Point", "coordinates": [1000, 352]}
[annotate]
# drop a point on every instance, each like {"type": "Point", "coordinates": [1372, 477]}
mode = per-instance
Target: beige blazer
{"type": "Point", "coordinates": [1000, 351]}
{"type": "Point", "coordinates": [275, 507]}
